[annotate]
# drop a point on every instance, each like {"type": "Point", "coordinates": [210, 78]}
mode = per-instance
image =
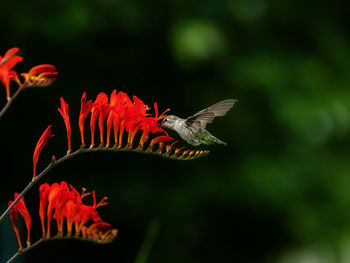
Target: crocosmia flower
{"type": "Point", "coordinates": [64, 111]}
{"type": "Point", "coordinates": [22, 209]}
{"type": "Point", "coordinates": [39, 147]}
{"type": "Point", "coordinates": [44, 191]}
{"type": "Point", "coordinates": [101, 110]}
{"type": "Point", "coordinates": [85, 109]}
{"type": "Point", "coordinates": [40, 76]}
{"type": "Point", "coordinates": [7, 62]}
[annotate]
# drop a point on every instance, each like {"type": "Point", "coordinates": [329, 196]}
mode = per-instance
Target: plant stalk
{"type": "Point", "coordinates": [9, 102]}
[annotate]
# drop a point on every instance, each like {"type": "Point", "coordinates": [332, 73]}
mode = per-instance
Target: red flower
{"type": "Point", "coordinates": [111, 116]}
{"type": "Point", "coordinates": [22, 209]}
{"type": "Point", "coordinates": [72, 208]}
{"type": "Point", "coordinates": [7, 62]}
{"type": "Point", "coordinates": [101, 110]}
{"type": "Point", "coordinates": [64, 111]}
{"type": "Point", "coordinates": [40, 145]}
{"type": "Point", "coordinates": [120, 105]}
{"type": "Point", "coordinates": [87, 213]}
{"type": "Point", "coordinates": [150, 125]}
{"type": "Point", "coordinates": [40, 76]}
{"type": "Point", "coordinates": [44, 191]}
{"type": "Point", "coordinates": [51, 199]}
{"type": "Point", "coordinates": [147, 125]}
{"type": "Point", "coordinates": [85, 109]}
{"type": "Point", "coordinates": [62, 198]}
{"type": "Point", "coordinates": [136, 115]}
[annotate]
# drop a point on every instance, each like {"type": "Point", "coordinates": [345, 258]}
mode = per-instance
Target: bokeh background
{"type": "Point", "coordinates": [279, 192]}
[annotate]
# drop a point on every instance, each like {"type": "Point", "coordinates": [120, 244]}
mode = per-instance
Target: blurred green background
{"type": "Point", "coordinates": [279, 192]}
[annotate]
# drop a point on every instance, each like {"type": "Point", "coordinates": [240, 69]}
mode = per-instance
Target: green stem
{"type": "Point", "coordinates": [148, 243]}
{"type": "Point", "coordinates": [9, 102]}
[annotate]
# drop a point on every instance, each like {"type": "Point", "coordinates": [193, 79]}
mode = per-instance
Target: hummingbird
{"type": "Point", "coordinates": [193, 129]}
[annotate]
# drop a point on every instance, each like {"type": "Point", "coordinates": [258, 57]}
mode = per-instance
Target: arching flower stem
{"type": "Point", "coordinates": [10, 100]}
{"type": "Point", "coordinates": [177, 155]}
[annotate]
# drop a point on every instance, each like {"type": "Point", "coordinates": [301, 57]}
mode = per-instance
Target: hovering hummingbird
{"type": "Point", "coordinates": [192, 129]}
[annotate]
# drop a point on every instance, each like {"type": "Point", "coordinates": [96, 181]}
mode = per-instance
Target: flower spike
{"type": "Point", "coordinates": [67, 204]}
{"type": "Point", "coordinates": [62, 202]}
{"type": "Point", "coordinates": [124, 116]}
{"type": "Point", "coordinates": [128, 117]}
{"type": "Point", "coordinates": [64, 111]}
{"type": "Point", "coordinates": [40, 145]}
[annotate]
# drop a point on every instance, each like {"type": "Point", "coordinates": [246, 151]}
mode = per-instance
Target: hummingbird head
{"type": "Point", "coordinates": [169, 122]}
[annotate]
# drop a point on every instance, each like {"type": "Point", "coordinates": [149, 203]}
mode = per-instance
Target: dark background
{"type": "Point", "coordinates": [279, 192]}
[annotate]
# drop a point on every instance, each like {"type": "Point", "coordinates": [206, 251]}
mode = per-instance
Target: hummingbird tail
{"type": "Point", "coordinates": [221, 142]}
{"type": "Point", "coordinates": [213, 140]}
{"type": "Point", "coordinates": [208, 138]}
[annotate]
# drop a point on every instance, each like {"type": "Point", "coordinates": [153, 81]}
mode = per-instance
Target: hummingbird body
{"type": "Point", "coordinates": [191, 135]}
{"type": "Point", "coordinates": [193, 129]}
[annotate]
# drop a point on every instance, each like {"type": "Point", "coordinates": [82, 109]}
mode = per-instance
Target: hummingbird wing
{"type": "Point", "coordinates": [205, 116]}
